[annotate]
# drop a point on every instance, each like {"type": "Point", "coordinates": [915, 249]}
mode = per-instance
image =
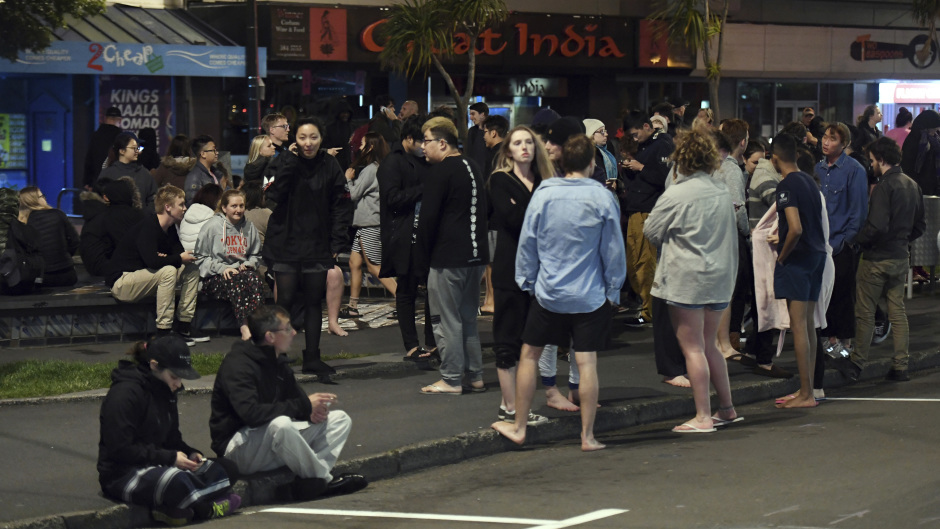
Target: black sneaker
{"type": "Point", "coordinates": [636, 321]}
{"type": "Point", "coordinates": [346, 484]}
{"type": "Point", "coordinates": [882, 330]}
{"type": "Point", "coordinates": [191, 334]}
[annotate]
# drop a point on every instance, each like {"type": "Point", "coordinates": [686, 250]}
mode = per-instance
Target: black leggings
{"type": "Point", "coordinates": [313, 286]}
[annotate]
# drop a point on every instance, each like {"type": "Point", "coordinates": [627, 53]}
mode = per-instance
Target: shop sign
{"type": "Point", "coordinates": [914, 93]}
{"type": "Point", "coordinates": [516, 86]}
{"type": "Point", "coordinates": [112, 58]}
{"type": "Point", "coordinates": [866, 49]}
{"type": "Point", "coordinates": [301, 33]}
{"type": "Point", "coordinates": [13, 141]}
{"type": "Point", "coordinates": [144, 102]}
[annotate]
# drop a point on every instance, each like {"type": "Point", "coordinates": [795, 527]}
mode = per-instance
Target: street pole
{"type": "Point", "coordinates": [251, 69]}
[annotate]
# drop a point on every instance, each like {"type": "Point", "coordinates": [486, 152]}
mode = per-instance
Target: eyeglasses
{"type": "Point", "coordinates": [427, 141]}
{"type": "Point", "coordinates": [212, 150]}
{"type": "Point", "coordinates": [285, 127]}
{"type": "Point", "coordinates": [600, 131]}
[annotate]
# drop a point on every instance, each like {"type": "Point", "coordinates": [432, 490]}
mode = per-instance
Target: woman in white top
{"type": "Point", "coordinates": [202, 209]}
{"type": "Point", "coordinates": [697, 268]}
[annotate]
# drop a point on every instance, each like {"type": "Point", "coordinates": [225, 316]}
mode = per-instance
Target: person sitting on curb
{"type": "Point", "coordinates": [142, 458]}
{"type": "Point", "coordinates": [262, 419]}
{"type": "Point", "coordinates": [150, 260]}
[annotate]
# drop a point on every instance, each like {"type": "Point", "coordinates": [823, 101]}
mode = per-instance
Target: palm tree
{"type": "Point", "coordinates": [421, 34]}
{"type": "Point", "coordinates": [925, 13]}
{"type": "Point", "coordinates": [695, 24]}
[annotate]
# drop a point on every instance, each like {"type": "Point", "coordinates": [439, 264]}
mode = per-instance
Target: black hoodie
{"type": "Point", "coordinates": [252, 388]}
{"type": "Point", "coordinates": [139, 424]}
{"type": "Point", "coordinates": [103, 231]}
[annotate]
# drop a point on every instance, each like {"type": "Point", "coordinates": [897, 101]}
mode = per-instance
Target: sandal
{"type": "Point", "coordinates": [414, 355]}
{"type": "Point", "coordinates": [348, 312]}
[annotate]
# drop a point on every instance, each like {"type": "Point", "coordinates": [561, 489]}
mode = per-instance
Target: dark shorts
{"type": "Point", "coordinates": [586, 331]}
{"type": "Point", "coordinates": [800, 278]}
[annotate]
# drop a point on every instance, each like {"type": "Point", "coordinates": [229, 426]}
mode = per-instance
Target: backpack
{"type": "Point", "coordinates": [21, 263]}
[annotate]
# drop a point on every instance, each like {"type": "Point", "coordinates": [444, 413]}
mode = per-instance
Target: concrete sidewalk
{"type": "Point", "coordinates": [50, 445]}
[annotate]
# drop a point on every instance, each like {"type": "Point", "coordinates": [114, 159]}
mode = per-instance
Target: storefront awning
{"type": "Point", "coordinates": [129, 40]}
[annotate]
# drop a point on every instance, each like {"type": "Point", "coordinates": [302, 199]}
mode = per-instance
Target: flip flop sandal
{"type": "Point", "coordinates": [719, 422]}
{"type": "Point", "coordinates": [471, 389]}
{"type": "Point", "coordinates": [413, 356]}
{"type": "Point", "coordinates": [690, 428]}
{"type": "Point", "coordinates": [349, 313]}
{"type": "Point", "coordinates": [430, 360]}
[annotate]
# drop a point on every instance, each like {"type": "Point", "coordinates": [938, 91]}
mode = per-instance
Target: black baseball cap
{"type": "Point", "coordinates": [564, 128]}
{"type": "Point", "coordinates": [112, 112]}
{"type": "Point", "coordinates": [171, 352]}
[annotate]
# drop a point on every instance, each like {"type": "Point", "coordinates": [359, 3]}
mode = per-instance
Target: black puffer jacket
{"type": "Point", "coordinates": [139, 424]}
{"type": "Point", "coordinates": [311, 220]}
{"type": "Point", "coordinates": [103, 231]}
{"type": "Point", "coordinates": [57, 238]}
{"type": "Point", "coordinates": [253, 387]}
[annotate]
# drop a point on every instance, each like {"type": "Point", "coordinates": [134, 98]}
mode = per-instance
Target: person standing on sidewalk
{"type": "Point", "coordinates": [308, 228]}
{"type": "Point", "coordinates": [571, 257]}
{"type": "Point", "coordinates": [401, 184]}
{"type": "Point", "coordinates": [844, 183]}
{"type": "Point", "coordinates": [150, 260]}
{"type": "Point", "coordinates": [452, 246]}
{"type": "Point", "coordinates": [895, 218]}
{"type": "Point", "coordinates": [142, 458]}
{"type": "Point", "coordinates": [644, 181]}
{"type": "Point", "coordinates": [262, 419]}
{"type": "Point", "coordinates": [693, 225]}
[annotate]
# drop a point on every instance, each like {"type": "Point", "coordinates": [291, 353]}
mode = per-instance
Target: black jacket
{"type": "Point", "coordinates": [252, 388]}
{"type": "Point", "coordinates": [401, 183]}
{"type": "Point", "coordinates": [98, 147]}
{"type": "Point", "coordinates": [387, 128]}
{"type": "Point", "coordinates": [476, 147]}
{"type": "Point", "coordinates": [102, 233]}
{"type": "Point", "coordinates": [258, 169]}
{"type": "Point", "coordinates": [508, 200]}
{"type": "Point", "coordinates": [139, 424]}
{"type": "Point", "coordinates": [140, 246]}
{"type": "Point", "coordinates": [642, 189]}
{"type": "Point", "coordinates": [313, 212]}
{"type": "Point", "coordinates": [57, 238]}
{"type": "Point", "coordinates": [895, 218]}
{"type": "Point", "coordinates": [451, 228]}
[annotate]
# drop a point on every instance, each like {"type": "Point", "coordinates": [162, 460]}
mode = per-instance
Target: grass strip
{"type": "Point", "coordinates": [43, 378]}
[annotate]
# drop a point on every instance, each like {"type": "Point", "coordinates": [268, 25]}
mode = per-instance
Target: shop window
{"type": "Point", "coordinates": [835, 102]}
{"type": "Point", "coordinates": [797, 91]}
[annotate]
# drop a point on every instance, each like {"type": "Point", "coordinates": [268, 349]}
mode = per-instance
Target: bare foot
{"type": "Point", "coordinates": [798, 402]}
{"type": "Point", "coordinates": [335, 328]}
{"type": "Point", "coordinates": [785, 398]}
{"type": "Point", "coordinates": [575, 398]}
{"type": "Point", "coordinates": [487, 308]}
{"type": "Point", "coordinates": [679, 381]}
{"type": "Point", "coordinates": [556, 400]}
{"type": "Point", "coordinates": [441, 387]}
{"type": "Point", "coordinates": [591, 445]}
{"type": "Point", "coordinates": [509, 431]}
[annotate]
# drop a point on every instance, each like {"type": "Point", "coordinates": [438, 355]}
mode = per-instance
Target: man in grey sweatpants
{"type": "Point", "coordinates": [452, 243]}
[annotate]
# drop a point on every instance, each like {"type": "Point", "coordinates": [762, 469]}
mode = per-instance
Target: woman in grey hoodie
{"type": "Point", "coordinates": [228, 252]}
{"type": "Point", "coordinates": [367, 246]}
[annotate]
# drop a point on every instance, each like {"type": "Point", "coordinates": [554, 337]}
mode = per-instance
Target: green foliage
{"type": "Point", "coordinates": [687, 22]}
{"type": "Point", "coordinates": [417, 31]}
{"type": "Point", "coordinates": [38, 378]}
{"type": "Point", "coordinates": [28, 24]}
{"type": "Point", "coordinates": [925, 12]}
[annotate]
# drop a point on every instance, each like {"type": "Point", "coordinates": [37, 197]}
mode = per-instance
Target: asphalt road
{"type": "Point", "coordinates": [848, 463]}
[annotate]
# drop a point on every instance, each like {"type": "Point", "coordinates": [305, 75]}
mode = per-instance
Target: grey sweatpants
{"type": "Point", "coordinates": [454, 294]}
{"type": "Point", "coordinates": [309, 450]}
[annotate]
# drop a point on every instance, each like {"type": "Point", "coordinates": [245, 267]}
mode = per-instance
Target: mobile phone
{"type": "Point", "coordinates": [384, 110]}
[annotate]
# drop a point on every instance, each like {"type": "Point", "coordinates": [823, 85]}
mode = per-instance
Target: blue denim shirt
{"type": "Point", "coordinates": [571, 253]}
{"type": "Point", "coordinates": [845, 186]}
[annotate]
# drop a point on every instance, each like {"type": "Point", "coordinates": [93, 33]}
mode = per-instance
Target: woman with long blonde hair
{"type": "Point", "coordinates": [259, 155]}
{"type": "Point", "coordinates": [521, 164]}
{"type": "Point", "coordinates": [57, 237]}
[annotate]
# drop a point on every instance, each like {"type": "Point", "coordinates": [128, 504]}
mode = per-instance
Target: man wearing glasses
{"type": "Point", "coordinates": [451, 246]}
{"type": "Point", "coordinates": [206, 155]}
{"type": "Point", "coordinates": [262, 419]}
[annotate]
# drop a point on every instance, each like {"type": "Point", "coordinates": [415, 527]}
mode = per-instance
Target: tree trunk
{"type": "Point", "coordinates": [460, 117]}
{"type": "Point", "coordinates": [713, 97]}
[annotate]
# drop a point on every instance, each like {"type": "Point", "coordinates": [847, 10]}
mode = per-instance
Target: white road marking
{"type": "Point", "coordinates": [785, 509]}
{"type": "Point", "coordinates": [584, 518]}
{"type": "Point", "coordinates": [883, 399]}
{"type": "Point", "coordinates": [535, 523]}
{"type": "Point", "coordinates": [848, 516]}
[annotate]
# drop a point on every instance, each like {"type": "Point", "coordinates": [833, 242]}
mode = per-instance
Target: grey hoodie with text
{"type": "Point", "coordinates": [222, 245]}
